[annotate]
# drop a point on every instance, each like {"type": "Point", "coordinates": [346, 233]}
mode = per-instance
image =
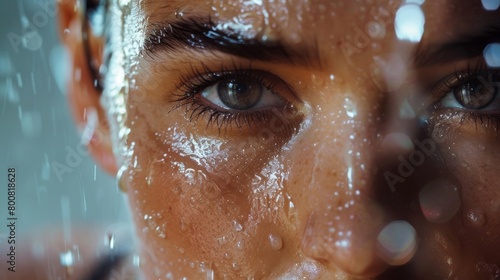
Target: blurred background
{"type": "Point", "coordinates": [58, 184]}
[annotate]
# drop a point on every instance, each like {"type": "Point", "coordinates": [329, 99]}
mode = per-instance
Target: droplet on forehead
{"type": "Point", "coordinates": [397, 242]}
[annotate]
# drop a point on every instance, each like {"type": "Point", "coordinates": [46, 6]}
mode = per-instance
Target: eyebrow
{"type": "Point", "coordinates": [203, 34]}
{"type": "Point", "coordinates": [464, 46]}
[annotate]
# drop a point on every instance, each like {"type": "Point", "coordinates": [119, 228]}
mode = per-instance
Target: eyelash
{"type": "Point", "coordinates": [457, 79]}
{"type": "Point", "coordinates": [191, 85]}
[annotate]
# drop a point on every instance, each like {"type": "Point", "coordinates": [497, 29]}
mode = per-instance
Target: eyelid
{"type": "Point", "coordinates": [191, 86]}
{"type": "Point", "coordinates": [202, 76]}
{"type": "Point", "coordinates": [453, 80]}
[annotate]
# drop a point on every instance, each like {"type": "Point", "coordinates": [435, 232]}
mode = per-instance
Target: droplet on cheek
{"type": "Point", "coordinates": [290, 211]}
{"type": "Point", "coordinates": [475, 218]}
{"type": "Point", "coordinates": [439, 201]}
{"type": "Point", "coordinates": [397, 242]}
{"type": "Point", "coordinates": [350, 108]}
{"type": "Point", "coordinates": [237, 226]}
{"type": "Point", "coordinates": [317, 80]}
{"type": "Point", "coordinates": [275, 241]}
{"type": "Point", "coordinates": [240, 245]}
{"type": "Point", "coordinates": [235, 266]}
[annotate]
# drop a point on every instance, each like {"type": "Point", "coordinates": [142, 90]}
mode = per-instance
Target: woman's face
{"type": "Point", "coordinates": [309, 139]}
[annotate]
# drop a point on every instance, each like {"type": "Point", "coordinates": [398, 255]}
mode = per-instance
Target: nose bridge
{"type": "Point", "coordinates": [345, 218]}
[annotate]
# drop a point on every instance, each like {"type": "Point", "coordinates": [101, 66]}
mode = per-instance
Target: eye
{"type": "Point", "coordinates": [244, 97]}
{"type": "Point", "coordinates": [481, 92]}
{"type": "Point", "coordinates": [241, 94]}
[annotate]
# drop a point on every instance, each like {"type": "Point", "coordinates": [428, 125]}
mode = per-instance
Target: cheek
{"type": "Point", "coordinates": [473, 160]}
{"type": "Point", "coordinates": [213, 198]}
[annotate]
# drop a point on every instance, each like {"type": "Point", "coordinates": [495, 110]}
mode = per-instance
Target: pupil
{"type": "Point", "coordinates": [238, 88]}
{"type": "Point", "coordinates": [239, 94]}
{"type": "Point", "coordinates": [475, 95]}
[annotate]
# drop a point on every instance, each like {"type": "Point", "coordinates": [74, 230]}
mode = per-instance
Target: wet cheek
{"type": "Point", "coordinates": [211, 198]}
{"type": "Point", "coordinates": [471, 159]}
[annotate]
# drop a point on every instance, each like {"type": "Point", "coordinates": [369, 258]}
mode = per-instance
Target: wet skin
{"type": "Point", "coordinates": [300, 182]}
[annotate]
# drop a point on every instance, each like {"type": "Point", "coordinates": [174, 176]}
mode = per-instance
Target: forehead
{"type": "Point", "coordinates": [319, 13]}
{"type": "Point", "coordinates": [328, 22]}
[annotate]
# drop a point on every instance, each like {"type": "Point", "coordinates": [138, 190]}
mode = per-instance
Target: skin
{"type": "Point", "coordinates": [303, 193]}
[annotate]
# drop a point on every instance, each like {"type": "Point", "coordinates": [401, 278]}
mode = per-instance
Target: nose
{"type": "Point", "coordinates": [344, 217]}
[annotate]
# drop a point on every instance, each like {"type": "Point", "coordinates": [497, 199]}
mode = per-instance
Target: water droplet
{"type": "Point", "coordinates": [439, 201]}
{"type": "Point", "coordinates": [350, 108]}
{"type": "Point", "coordinates": [317, 80]}
{"type": "Point", "coordinates": [222, 240]}
{"type": "Point", "coordinates": [210, 274]}
{"type": "Point", "coordinates": [291, 211]}
{"type": "Point", "coordinates": [237, 226]}
{"type": "Point", "coordinates": [397, 242]}
{"type": "Point", "coordinates": [275, 241]}
{"type": "Point", "coordinates": [179, 13]}
{"type": "Point", "coordinates": [235, 266]}
{"type": "Point", "coordinates": [239, 245]}
{"type": "Point", "coordinates": [475, 218]}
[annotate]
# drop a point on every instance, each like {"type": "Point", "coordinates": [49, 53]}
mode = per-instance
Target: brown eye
{"type": "Point", "coordinates": [475, 94]}
{"type": "Point", "coordinates": [239, 94]}
{"type": "Point", "coordinates": [242, 90]}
